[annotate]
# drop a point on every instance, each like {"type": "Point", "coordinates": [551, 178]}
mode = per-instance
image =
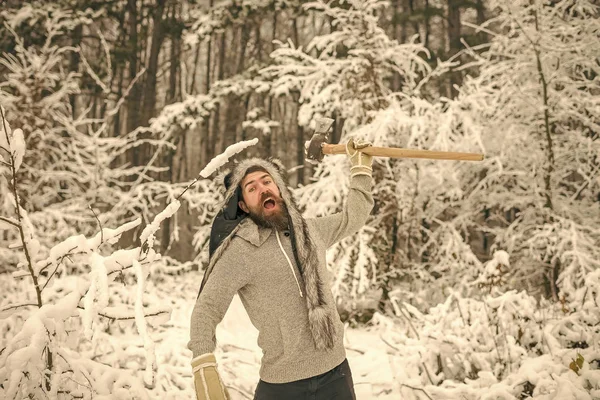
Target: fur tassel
{"type": "Point", "coordinates": [322, 328]}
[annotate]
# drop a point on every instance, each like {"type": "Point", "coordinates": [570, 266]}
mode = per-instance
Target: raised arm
{"type": "Point", "coordinates": [359, 203]}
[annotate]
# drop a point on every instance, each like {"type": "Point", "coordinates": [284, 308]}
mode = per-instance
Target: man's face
{"type": "Point", "coordinates": [262, 201]}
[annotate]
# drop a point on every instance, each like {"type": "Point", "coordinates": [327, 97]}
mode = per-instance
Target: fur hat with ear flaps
{"type": "Point", "coordinates": [320, 316]}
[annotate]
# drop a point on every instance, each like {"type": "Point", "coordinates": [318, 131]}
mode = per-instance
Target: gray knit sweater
{"type": "Point", "coordinates": [259, 265]}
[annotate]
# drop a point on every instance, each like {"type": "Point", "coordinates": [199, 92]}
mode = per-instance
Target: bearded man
{"type": "Point", "coordinates": [275, 260]}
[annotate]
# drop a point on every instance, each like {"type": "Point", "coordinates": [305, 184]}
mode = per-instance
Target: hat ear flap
{"type": "Point", "coordinates": [280, 167]}
{"type": "Point", "coordinates": [278, 163]}
{"type": "Point", "coordinates": [227, 179]}
{"type": "Point", "coordinates": [231, 209]}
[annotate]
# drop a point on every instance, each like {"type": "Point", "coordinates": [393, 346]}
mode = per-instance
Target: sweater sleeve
{"type": "Point", "coordinates": [229, 275]}
{"type": "Point", "coordinates": [359, 203]}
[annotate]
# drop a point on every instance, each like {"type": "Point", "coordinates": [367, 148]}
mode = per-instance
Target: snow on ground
{"type": "Point", "coordinates": [386, 363]}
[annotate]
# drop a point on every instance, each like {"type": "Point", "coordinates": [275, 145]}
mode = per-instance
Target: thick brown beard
{"type": "Point", "coordinates": [278, 221]}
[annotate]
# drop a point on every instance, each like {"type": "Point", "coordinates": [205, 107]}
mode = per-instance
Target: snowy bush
{"type": "Point", "coordinates": [59, 339]}
{"type": "Point", "coordinates": [39, 357]}
{"type": "Point", "coordinates": [508, 342]}
{"type": "Point", "coordinates": [536, 105]}
{"type": "Point", "coordinates": [72, 163]}
{"type": "Point", "coordinates": [531, 109]}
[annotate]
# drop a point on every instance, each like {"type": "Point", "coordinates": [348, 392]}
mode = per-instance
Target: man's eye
{"type": "Point", "coordinates": [251, 190]}
{"type": "Point", "coordinates": [267, 182]}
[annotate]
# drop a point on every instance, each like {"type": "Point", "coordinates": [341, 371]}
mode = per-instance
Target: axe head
{"type": "Point", "coordinates": [314, 147]}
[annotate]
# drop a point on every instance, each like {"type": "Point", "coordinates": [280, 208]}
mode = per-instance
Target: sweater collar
{"type": "Point", "coordinates": [255, 234]}
{"type": "Point", "coordinates": [252, 233]}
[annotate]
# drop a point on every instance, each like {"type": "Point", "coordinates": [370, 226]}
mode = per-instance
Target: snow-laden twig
{"type": "Point", "coordinates": [220, 160]}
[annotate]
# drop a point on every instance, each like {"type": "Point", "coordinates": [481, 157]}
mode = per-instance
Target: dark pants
{"type": "Point", "coordinates": [335, 384]}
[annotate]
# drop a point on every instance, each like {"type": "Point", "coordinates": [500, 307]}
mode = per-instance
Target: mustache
{"type": "Point", "coordinates": [268, 195]}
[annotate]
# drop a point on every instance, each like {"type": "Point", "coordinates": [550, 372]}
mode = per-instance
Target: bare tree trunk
{"type": "Point", "coordinates": [235, 110]}
{"type": "Point", "coordinates": [242, 132]}
{"type": "Point", "coordinates": [244, 37]}
{"type": "Point", "coordinates": [207, 81]}
{"type": "Point", "coordinates": [403, 26]}
{"type": "Point", "coordinates": [480, 8]}
{"type": "Point", "coordinates": [135, 94]}
{"type": "Point", "coordinates": [74, 65]}
{"type": "Point", "coordinates": [554, 266]}
{"type": "Point", "coordinates": [269, 138]}
{"type": "Point", "coordinates": [427, 24]}
{"type": "Point", "coordinates": [213, 145]}
{"type": "Point", "coordinates": [299, 130]}
{"type": "Point", "coordinates": [394, 25]}
{"type": "Point", "coordinates": [158, 35]}
{"type": "Point", "coordinates": [415, 24]}
{"type": "Point", "coordinates": [135, 107]}
{"type": "Point", "coordinates": [119, 70]}
{"type": "Point", "coordinates": [117, 121]}
{"type": "Point", "coordinates": [258, 43]}
{"type": "Point", "coordinates": [482, 37]}
{"type": "Point", "coordinates": [175, 159]}
{"type": "Point", "coordinates": [395, 17]}
{"type": "Point", "coordinates": [173, 94]}
{"type": "Point", "coordinates": [454, 43]}
{"type": "Point", "coordinates": [205, 128]}
{"type": "Point", "coordinates": [205, 133]}
{"type": "Point", "coordinates": [192, 87]}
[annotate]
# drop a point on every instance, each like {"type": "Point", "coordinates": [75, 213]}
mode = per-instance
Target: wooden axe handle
{"type": "Point", "coordinates": [396, 152]}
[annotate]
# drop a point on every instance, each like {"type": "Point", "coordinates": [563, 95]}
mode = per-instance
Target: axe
{"type": "Point", "coordinates": [317, 147]}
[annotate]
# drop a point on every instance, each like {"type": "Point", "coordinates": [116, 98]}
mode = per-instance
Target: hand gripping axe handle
{"type": "Point", "coordinates": [317, 147]}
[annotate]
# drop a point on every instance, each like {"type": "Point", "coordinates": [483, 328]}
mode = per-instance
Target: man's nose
{"type": "Point", "coordinates": [262, 189]}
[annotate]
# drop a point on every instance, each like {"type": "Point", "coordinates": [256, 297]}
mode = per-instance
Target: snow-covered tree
{"type": "Point", "coordinates": [347, 70]}
{"type": "Point", "coordinates": [535, 102]}
{"type": "Point", "coordinates": [73, 175]}
{"type": "Point", "coordinates": [40, 356]}
{"type": "Point", "coordinates": [63, 184]}
{"type": "Point", "coordinates": [350, 77]}
{"type": "Point", "coordinates": [531, 109]}
{"type": "Point", "coordinates": [54, 332]}
{"type": "Point", "coordinates": [60, 164]}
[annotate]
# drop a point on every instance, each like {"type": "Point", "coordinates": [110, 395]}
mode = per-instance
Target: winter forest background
{"type": "Point", "coordinates": [471, 280]}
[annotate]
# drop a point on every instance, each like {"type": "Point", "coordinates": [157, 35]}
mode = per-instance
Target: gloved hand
{"type": "Point", "coordinates": [207, 381]}
{"type": "Point", "coordinates": [361, 162]}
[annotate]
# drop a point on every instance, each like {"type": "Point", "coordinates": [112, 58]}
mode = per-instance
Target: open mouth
{"type": "Point", "coordinates": [269, 204]}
